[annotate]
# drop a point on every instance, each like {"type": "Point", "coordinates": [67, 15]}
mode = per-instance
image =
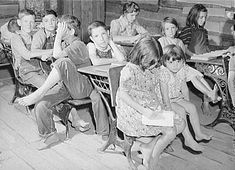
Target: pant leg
{"type": "Point", "coordinates": [77, 84]}
{"type": "Point", "coordinates": [44, 108]}
{"type": "Point", "coordinates": [100, 113]}
{"type": "Point", "coordinates": [35, 78]}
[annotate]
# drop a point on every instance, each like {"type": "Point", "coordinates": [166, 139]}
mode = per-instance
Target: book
{"type": "Point", "coordinates": [209, 56]}
{"type": "Point", "coordinates": [160, 118]}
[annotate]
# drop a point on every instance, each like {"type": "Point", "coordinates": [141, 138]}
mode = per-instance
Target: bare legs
{"type": "Point", "coordinates": [194, 120]}
{"type": "Point", "coordinates": [189, 141]}
{"type": "Point", "coordinates": [52, 79]}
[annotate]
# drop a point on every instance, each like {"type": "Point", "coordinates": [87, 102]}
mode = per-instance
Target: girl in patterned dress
{"type": "Point", "coordinates": [102, 50]}
{"type": "Point", "coordinates": [137, 96]}
{"type": "Point", "coordinates": [173, 77]}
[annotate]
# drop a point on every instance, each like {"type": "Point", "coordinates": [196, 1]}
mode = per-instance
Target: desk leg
{"type": "Point", "coordinates": [125, 144]}
{"type": "Point", "coordinates": [226, 115]}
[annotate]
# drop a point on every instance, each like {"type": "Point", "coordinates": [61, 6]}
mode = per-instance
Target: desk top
{"type": "Point", "coordinates": [217, 61]}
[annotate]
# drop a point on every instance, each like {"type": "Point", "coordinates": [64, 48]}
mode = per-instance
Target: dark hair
{"type": "Point", "coordinates": [173, 51]}
{"type": "Point", "coordinates": [48, 12]}
{"type": "Point", "coordinates": [72, 22]}
{"type": "Point", "coordinates": [95, 24]}
{"type": "Point", "coordinates": [145, 53]}
{"type": "Point", "coordinates": [170, 20]}
{"type": "Point", "coordinates": [12, 25]}
{"type": "Point", "coordinates": [194, 13]}
{"type": "Point", "coordinates": [25, 12]}
{"type": "Point", "coordinates": [130, 7]}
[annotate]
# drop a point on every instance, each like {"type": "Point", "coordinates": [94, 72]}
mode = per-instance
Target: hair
{"type": "Point", "coordinates": [173, 51]}
{"type": "Point", "coordinates": [48, 12]}
{"type": "Point", "coordinates": [25, 12]}
{"type": "Point", "coordinates": [193, 15]}
{"type": "Point", "coordinates": [146, 53]}
{"type": "Point", "coordinates": [130, 7]}
{"type": "Point", "coordinates": [12, 25]}
{"type": "Point", "coordinates": [170, 20]}
{"type": "Point", "coordinates": [96, 24]}
{"type": "Point", "coordinates": [72, 22]}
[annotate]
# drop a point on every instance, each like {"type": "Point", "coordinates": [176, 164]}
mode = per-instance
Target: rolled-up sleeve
{"type": "Point", "coordinates": [115, 28]}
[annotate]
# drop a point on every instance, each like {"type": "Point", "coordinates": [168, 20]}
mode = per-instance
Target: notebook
{"type": "Point", "coordinates": [161, 118]}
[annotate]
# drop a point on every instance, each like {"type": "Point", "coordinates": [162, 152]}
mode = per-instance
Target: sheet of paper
{"type": "Point", "coordinates": [160, 118]}
{"type": "Point", "coordinates": [208, 56]}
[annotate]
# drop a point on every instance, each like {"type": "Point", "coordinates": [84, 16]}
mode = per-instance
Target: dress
{"type": "Point", "coordinates": [164, 41]}
{"type": "Point", "coordinates": [141, 87]}
{"type": "Point", "coordinates": [176, 80]}
{"type": "Point", "coordinates": [196, 39]}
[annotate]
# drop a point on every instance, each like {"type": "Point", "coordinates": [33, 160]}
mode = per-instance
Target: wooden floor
{"type": "Point", "coordinates": [18, 138]}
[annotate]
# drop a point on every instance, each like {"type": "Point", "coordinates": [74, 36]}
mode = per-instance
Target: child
{"type": "Point", "coordinates": [102, 49]}
{"type": "Point", "coordinates": [194, 35]}
{"type": "Point", "coordinates": [170, 29]}
{"type": "Point", "coordinates": [126, 28]}
{"type": "Point", "coordinates": [75, 85]}
{"type": "Point", "coordinates": [44, 38]}
{"type": "Point", "coordinates": [25, 59]}
{"type": "Point", "coordinates": [136, 96]}
{"type": "Point", "coordinates": [13, 26]}
{"type": "Point", "coordinates": [175, 92]}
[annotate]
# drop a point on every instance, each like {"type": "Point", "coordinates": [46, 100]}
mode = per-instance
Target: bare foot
{"type": "Point", "coordinates": [146, 153]}
{"type": "Point", "coordinates": [30, 99]}
{"type": "Point", "coordinates": [203, 136]}
{"type": "Point", "coordinates": [194, 145]}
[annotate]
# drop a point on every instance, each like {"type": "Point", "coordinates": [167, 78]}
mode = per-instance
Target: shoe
{"type": "Point", "coordinates": [191, 150]}
{"type": "Point", "coordinates": [82, 128]}
{"type": "Point", "coordinates": [204, 140]}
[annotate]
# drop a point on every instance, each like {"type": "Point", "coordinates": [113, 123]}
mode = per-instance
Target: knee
{"type": "Point", "coordinates": [95, 96]}
{"type": "Point", "coordinates": [41, 109]}
{"type": "Point", "coordinates": [180, 125]}
{"type": "Point", "coordinates": [170, 132]}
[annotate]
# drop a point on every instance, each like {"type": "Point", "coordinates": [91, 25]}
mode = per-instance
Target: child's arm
{"type": "Point", "coordinates": [99, 61]}
{"type": "Point", "coordinates": [185, 91]}
{"type": "Point", "coordinates": [231, 79]}
{"type": "Point", "coordinates": [117, 53]}
{"type": "Point", "coordinates": [19, 46]}
{"type": "Point", "coordinates": [128, 100]}
{"type": "Point", "coordinates": [165, 95]}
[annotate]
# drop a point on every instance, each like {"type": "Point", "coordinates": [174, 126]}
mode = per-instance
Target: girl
{"type": "Point", "coordinates": [126, 28]}
{"type": "Point", "coordinates": [102, 49]}
{"type": "Point", "coordinates": [169, 30]}
{"type": "Point", "coordinates": [136, 96]}
{"type": "Point", "coordinates": [194, 35]}
{"type": "Point", "coordinates": [175, 92]}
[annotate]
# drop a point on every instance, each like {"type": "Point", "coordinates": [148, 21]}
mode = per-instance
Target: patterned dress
{"type": "Point", "coordinates": [175, 81]}
{"type": "Point", "coordinates": [141, 86]}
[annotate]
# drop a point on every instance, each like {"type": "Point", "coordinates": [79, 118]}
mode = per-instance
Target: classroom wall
{"type": "Point", "coordinates": [153, 12]}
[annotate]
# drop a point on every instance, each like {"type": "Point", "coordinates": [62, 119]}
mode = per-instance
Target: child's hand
{"type": "Point", "coordinates": [62, 29]}
{"type": "Point", "coordinates": [45, 57]}
{"type": "Point", "coordinates": [148, 112]}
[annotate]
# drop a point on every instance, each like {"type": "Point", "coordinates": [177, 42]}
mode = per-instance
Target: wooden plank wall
{"type": "Point", "coordinates": [86, 11]}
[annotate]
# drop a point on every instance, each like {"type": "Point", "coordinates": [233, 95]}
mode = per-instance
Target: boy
{"type": "Point", "coordinates": [75, 85]}
{"type": "Point", "coordinates": [44, 38]}
{"type": "Point", "coordinates": [102, 50]}
{"type": "Point", "coordinates": [25, 60]}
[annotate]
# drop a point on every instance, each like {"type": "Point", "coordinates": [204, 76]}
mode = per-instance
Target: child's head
{"type": "Point", "coordinates": [169, 27]}
{"type": "Point", "coordinates": [99, 34]}
{"type": "Point", "coordinates": [49, 20]}
{"type": "Point", "coordinates": [131, 10]}
{"type": "Point", "coordinates": [13, 26]}
{"type": "Point", "coordinates": [146, 53]}
{"type": "Point", "coordinates": [197, 16]}
{"type": "Point", "coordinates": [73, 24]}
{"type": "Point", "coordinates": [173, 58]}
{"type": "Point", "coordinates": [26, 20]}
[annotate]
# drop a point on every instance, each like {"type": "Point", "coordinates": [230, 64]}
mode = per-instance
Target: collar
{"type": "Point", "coordinates": [49, 33]}
{"type": "Point", "coordinates": [26, 36]}
{"type": "Point", "coordinates": [124, 21]}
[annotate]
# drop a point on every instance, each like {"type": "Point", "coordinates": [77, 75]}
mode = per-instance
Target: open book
{"type": "Point", "coordinates": [160, 118]}
{"type": "Point", "coordinates": [209, 56]}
